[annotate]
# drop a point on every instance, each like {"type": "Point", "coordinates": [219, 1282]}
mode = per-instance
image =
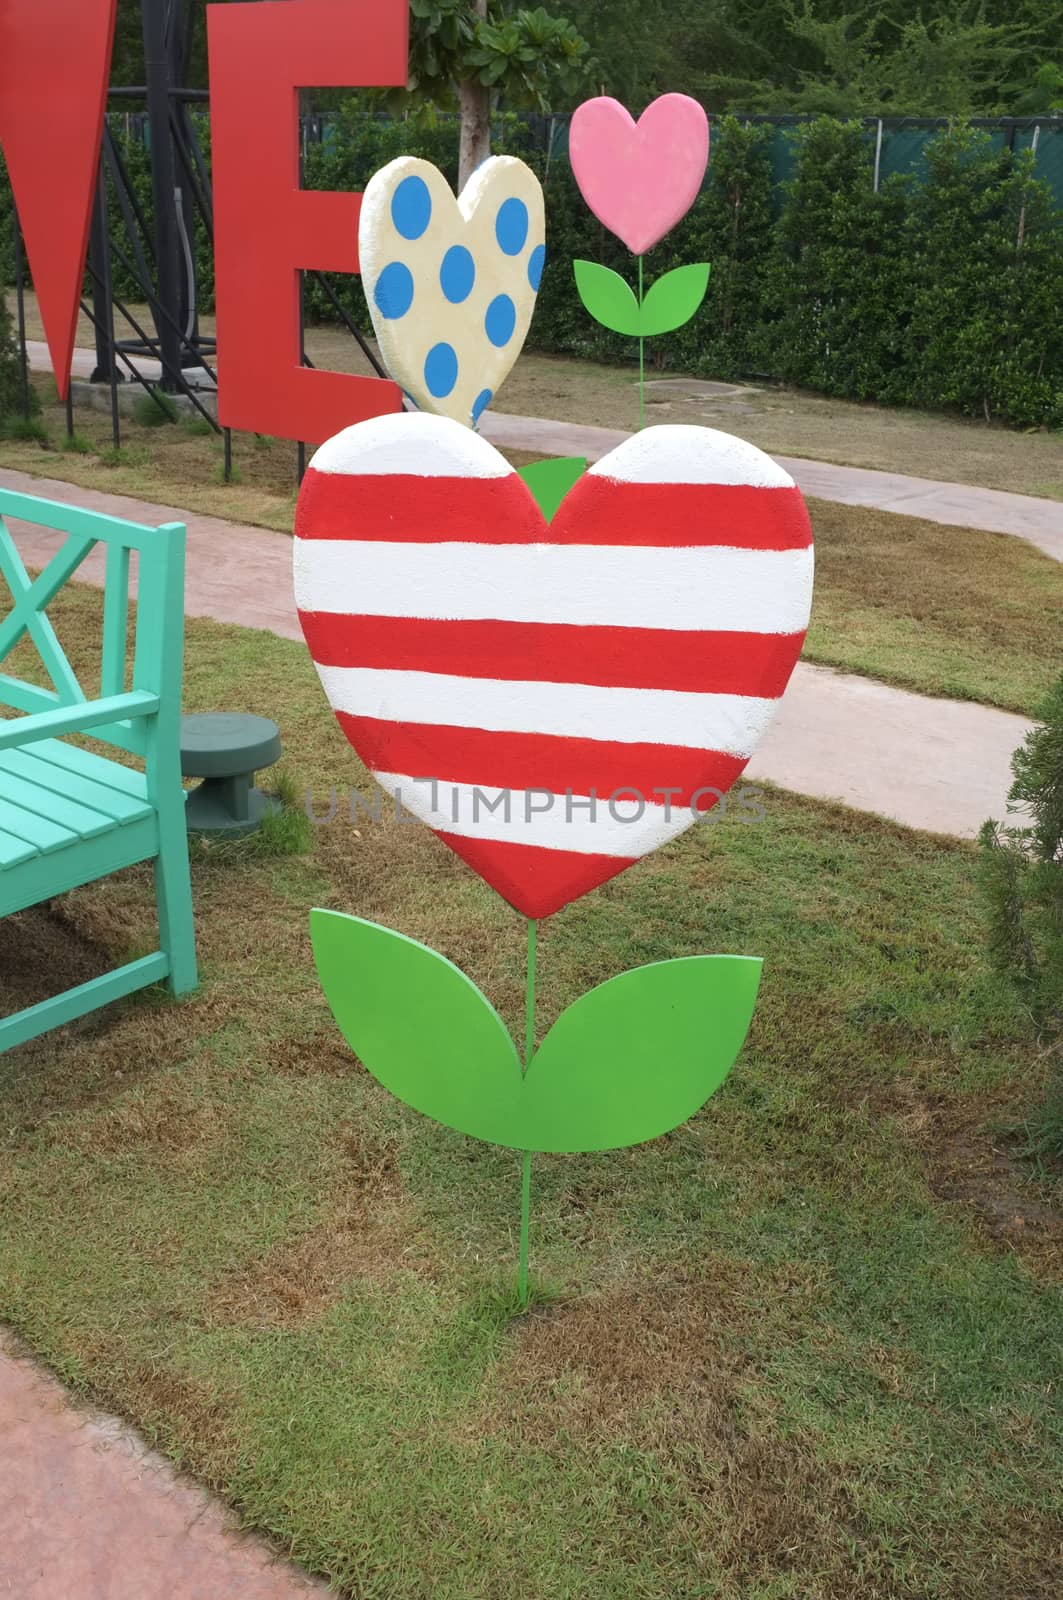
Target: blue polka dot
{"type": "Point", "coordinates": [393, 292]}
{"type": "Point", "coordinates": [440, 370]}
{"type": "Point", "coordinates": [481, 403]}
{"type": "Point", "coordinates": [511, 226]}
{"type": "Point", "coordinates": [500, 320]}
{"type": "Point", "coordinates": [457, 274]}
{"type": "Point", "coordinates": [536, 263]}
{"type": "Point", "coordinates": [411, 207]}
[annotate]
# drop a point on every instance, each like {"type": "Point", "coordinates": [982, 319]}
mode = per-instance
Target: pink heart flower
{"type": "Point", "coordinates": [640, 179]}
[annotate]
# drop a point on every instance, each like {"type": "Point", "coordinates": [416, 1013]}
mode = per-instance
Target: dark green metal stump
{"type": "Point", "coordinates": [226, 749]}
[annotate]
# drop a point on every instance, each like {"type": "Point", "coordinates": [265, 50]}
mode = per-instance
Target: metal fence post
{"type": "Point", "coordinates": [1020, 241]}
{"type": "Point", "coordinates": [20, 301]}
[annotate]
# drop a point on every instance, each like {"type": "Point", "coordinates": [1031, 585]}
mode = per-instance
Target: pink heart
{"type": "Point", "coordinates": [640, 179]}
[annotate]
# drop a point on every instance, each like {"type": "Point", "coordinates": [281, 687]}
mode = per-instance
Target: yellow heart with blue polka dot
{"type": "Point", "coordinates": [451, 283]}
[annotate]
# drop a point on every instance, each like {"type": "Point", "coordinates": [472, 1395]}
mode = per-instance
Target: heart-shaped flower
{"type": "Point", "coordinates": [639, 178]}
{"type": "Point", "coordinates": [451, 284]}
{"type": "Point", "coordinates": [555, 699]}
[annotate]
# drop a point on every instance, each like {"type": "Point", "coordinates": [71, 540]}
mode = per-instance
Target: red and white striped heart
{"type": "Point", "coordinates": [554, 700]}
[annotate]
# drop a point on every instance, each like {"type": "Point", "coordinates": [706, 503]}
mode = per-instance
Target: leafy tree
{"type": "Point", "coordinates": [950, 65]}
{"type": "Point", "coordinates": [127, 61]}
{"type": "Point", "coordinates": [476, 52]}
{"type": "Point", "coordinates": [846, 57]}
{"type": "Point", "coordinates": [1043, 94]}
{"type": "Point", "coordinates": [907, 57]}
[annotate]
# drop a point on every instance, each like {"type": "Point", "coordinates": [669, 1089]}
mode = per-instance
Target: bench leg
{"type": "Point", "coordinates": [173, 892]}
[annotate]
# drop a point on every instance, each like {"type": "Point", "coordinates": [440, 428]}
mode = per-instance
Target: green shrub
{"type": "Point", "coordinates": [986, 334]}
{"type": "Point", "coordinates": [1021, 878]}
{"type": "Point", "coordinates": [76, 444]}
{"type": "Point", "coordinates": [155, 410]}
{"type": "Point", "coordinates": [10, 367]}
{"type": "Point", "coordinates": [840, 281]}
{"type": "Point", "coordinates": [733, 335]}
{"type": "Point", "coordinates": [27, 430]}
{"type": "Point", "coordinates": [195, 426]}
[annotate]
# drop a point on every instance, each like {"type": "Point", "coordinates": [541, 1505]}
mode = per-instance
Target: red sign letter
{"type": "Point", "coordinates": [266, 228]}
{"type": "Point", "coordinates": [55, 56]}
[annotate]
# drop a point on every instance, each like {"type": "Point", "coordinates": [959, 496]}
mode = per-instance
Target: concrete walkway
{"type": "Point", "coordinates": [88, 1512]}
{"type": "Point", "coordinates": [958, 505]}
{"type": "Point", "coordinates": [1038, 521]}
{"type": "Point", "coordinates": [941, 765]}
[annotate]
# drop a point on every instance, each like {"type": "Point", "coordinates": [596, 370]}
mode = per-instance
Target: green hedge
{"type": "Point", "coordinates": [942, 293]}
{"type": "Point", "coordinates": [10, 372]}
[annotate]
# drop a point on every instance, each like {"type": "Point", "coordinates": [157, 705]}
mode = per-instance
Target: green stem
{"type": "Point", "coordinates": [525, 1219]}
{"type": "Point", "coordinates": [529, 1049]}
{"type": "Point", "coordinates": [529, 1000]}
{"type": "Point", "coordinates": [642, 360]}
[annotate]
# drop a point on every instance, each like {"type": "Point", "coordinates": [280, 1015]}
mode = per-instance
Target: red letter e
{"type": "Point", "coordinates": [266, 229]}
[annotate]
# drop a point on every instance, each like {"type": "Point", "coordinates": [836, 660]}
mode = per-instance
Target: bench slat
{"type": "Point", "coordinates": [13, 850]}
{"type": "Point", "coordinates": [79, 819]}
{"type": "Point", "coordinates": [44, 834]}
{"type": "Point", "coordinates": [89, 790]}
{"type": "Point", "coordinates": [73, 759]}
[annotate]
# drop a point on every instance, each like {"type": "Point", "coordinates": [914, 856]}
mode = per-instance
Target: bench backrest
{"type": "Point", "coordinates": [157, 653]}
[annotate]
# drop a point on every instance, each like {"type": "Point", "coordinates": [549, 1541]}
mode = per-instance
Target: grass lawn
{"type": "Point", "coordinates": [782, 421]}
{"type": "Point", "coordinates": [945, 611]}
{"type": "Point", "coordinates": [805, 1348]}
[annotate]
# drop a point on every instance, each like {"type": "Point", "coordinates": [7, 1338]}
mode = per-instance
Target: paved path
{"type": "Point", "coordinates": [88, 1512]}
{"type": "Point", "coordinates": [942, 765]}
{"type": "Point", "coordinates": [959, 505]}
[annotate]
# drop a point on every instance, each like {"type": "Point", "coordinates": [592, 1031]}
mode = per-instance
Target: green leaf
{"type": "Point", "coordinates": [550, 481]}
{"type": "Point", "coordinates": [673, 299]}
{"type": "Point", "coordinates": [627, 1062]}
{"type": "Point", "coordinates": [420, 1026]}
{"type": "Point", "coordinates": [640, 1054]}
{"type": "Point", "coordinates": [607, 296]}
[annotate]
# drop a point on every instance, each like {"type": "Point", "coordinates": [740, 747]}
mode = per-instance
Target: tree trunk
{"type": "Point", "coordinates": [475, 129]}
{"type": "Point", "coordinates": [475, 101]}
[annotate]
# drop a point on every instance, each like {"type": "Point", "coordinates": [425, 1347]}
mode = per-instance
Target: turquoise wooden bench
{"type": "Point", "coordinates": [68, 815]}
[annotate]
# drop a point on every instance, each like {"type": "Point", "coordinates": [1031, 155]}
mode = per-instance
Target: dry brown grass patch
{"type": "Point", "coordinates": [975, 1169]}
{"type": "Point", "coordinates": [42, 951]}
{"type": "Point", "coordinates": [683, 1340]}
{"type": "Point", "coordinates": [368, 1234]}
{"type": "Point", "coordinates": [978, 1170]}
{"type": "Point", "coordinates": [188, 1417]}
{"type": "Point", "coordinates": [668, 1370]}
{"type": "Point", "coordinates": [173, 1122]}
{"type": "Point", "coordinates": [324, 1050]}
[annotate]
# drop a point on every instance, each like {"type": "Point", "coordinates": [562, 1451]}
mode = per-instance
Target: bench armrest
{"type": "Point", "coordinates": [79, 718]}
